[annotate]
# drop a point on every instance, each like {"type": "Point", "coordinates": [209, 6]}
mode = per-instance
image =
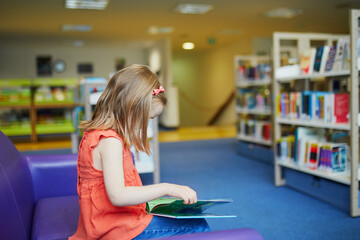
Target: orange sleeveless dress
{"type": "Point", "coordinates": [99, 219]}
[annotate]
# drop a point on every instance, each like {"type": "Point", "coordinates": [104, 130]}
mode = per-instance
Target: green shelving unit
{"type": "Point", "coordinates": [55, 128]}
{"type": "Point", "coordinates": [19, 104]}
{"type": "Point", "coordinates": [22, 94]}
{"type": "Point", "coordinates": [16, 130]}
{"type": "Point", "coordinates": [15, 83]}
{"type": "Point", "coordinates": [54, 82]}
{"type": "Point", "coordinates": [15, 94]}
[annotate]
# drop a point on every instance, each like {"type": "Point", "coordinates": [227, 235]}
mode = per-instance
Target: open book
{"type": "Point", "coordinates": [174, 208]}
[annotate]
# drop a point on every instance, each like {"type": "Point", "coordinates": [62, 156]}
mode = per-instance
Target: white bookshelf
{"type": "Point", "coordinates": [255, 83]}
{"type": "Point", "coordinates": [314, 76]}
{"type": "Point", "coordinates": [354, 111]}
{"type": "Point", "coordinates": [250, 83]}
{"type": "Point", "coordinates": [253, 140]}
{"type": "Point", "coordinates": [316, 124]}
{"type": "Point", "coordinates": [143, 163]}
{"type": "Point", "coordinates": [254, 111]}
{"type": "Point", "coordinates": [304, 41]}
{"type": "Point", "coordinates": [338, 177]}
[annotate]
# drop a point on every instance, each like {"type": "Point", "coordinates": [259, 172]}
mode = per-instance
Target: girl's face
{"type": "Point", "coordinates": [156, 108]}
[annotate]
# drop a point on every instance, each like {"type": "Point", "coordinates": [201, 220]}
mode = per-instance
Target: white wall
{"type": "Point", "coordinates": [205, 80]}
{"type": "Point", "coordinates": [262, 46]}
{"type": "Point", "coordinates": [19, 60]}
{"type": "Point", "coordinates": [160, 58]}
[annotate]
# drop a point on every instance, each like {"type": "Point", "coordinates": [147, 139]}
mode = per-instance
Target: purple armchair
{"type": "Point", "coordinates": [38, 198]}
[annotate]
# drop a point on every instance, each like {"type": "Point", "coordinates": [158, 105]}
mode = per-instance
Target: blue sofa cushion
{"type": "Point", "coordinates": [11, 224]}
{"type": "Point", "coordinates": [55, 218]}
{"type": "Point", "coordinates": [53, 175]}
{"type": "Point", "coordinates": [16, 188]}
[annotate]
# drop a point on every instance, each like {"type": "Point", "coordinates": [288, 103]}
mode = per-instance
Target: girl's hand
{"type": "Point", "coordinates": [184, 192]}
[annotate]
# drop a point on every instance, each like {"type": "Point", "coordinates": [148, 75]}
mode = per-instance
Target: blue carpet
{"type": "Point", "coordinates": [215, 170]}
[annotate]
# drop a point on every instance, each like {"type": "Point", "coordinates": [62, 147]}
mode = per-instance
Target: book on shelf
{"type": "Point", "coordinates": [285, 148]}
{"type": "Point", "coordinates": [45, 94]}
{"type": "Point", "coordinates": [283, 102]}
{"type": "Point", "coordinates": [321, 56]}
{"type": "Point", "coordinates": [17, 118]}
{"type": "Point", "coordinates": [312, 155]}
{"type": "Point", "coordinates": [309, 149]}
{"type": "Point", "coordinates": [340, 137]}
{"type": "Point", "coordinates": [174, 208]}
{"type": "Point", "coordinates": [321, 59]}
{"type": "Point", "coordinates": [327, 157]}
{"type": "Point", "coordinates": [338, 158]}
{"type": "Point", "coordinates": [317, 106]}
{"type": "Point", "coordinates": [306, 105]}
{"type": "Point", "coordinates": [307, 59]}
{"type": "Point", "coordinates": [330, 59]}
{"type": "Point", "coordinates": [341, 108]}
{"type": "Point", "coordinates": [258, 98]}
{"type": "Point", "coordinates": [341, 59]}
{"type": "Point", "coordinates": [256, 129]}
{"type": "Point", "coordinates": [248, 71]}
{"type": "Point", "coordinates": [302, 136]}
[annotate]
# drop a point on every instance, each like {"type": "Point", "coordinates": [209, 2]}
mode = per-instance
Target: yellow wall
{"type": "Point", "coordinates": [205, 80]}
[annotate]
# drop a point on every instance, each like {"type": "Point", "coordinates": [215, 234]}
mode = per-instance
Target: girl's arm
{"type": "Point", "coordinates": [111, 152]}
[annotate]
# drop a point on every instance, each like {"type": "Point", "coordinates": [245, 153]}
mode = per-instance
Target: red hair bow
{"type": "Point", "coordinates": [157, 91]}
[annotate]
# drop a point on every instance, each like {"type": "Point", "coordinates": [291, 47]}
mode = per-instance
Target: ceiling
{"type": "Point", "coordinates": [121, 21]}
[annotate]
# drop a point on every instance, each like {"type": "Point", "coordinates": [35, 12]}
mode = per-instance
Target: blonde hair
{"type": "Point", "coordinates": [125, 106]}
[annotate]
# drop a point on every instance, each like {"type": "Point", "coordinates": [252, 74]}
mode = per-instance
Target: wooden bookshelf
{"type": "Point", "coordinates": [15, 106]}
{"type": "Point", "coordinates": [55, 105]}
{"type": "Point", "coordinates": [34, 129]}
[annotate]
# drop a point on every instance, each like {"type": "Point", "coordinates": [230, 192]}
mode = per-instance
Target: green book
{"type": "Point", "coordinates": [174, 208]}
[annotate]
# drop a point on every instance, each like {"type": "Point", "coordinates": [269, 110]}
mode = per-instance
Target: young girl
{"type": "Point", "coordinates": [111, 196]}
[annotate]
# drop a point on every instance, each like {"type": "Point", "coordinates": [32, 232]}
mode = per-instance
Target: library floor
{"type": "Point", "coordinates": [180, 134]}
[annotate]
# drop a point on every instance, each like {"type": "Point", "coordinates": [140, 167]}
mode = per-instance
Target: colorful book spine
{"type": "Point", "coordinates": [314, 106]}
{"type": "Point", "coordinates": [285, 148]}
{"type": "Point", "coordinates": [253, 99]}
{"type": "Point", "coordinates": [318, 58]}
{"type": "Point", "coordinates": [256, 129]}
{"type": "Point", "coordinates": [341, 108]}
{"type": "Point", "coordinates": [246, 71]}
{"type": "Point", "coordinates": [320, 156]}
{"type": "Point", "coordinates": [330, 60]}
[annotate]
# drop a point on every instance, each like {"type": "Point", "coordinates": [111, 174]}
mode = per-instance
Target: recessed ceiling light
{"type": "Point", "coordinates": [283, 13]}
{"type": "Point", "coordinates": [187, 8]}
{"type": "Point", "coordinates": [188, 45]}
{"type": "Point", "coordinates": [76, 28]}
{"type": "Point", "coordinates": [86, 4]}
{"type": "Point", "coordinates": [159, 30]}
